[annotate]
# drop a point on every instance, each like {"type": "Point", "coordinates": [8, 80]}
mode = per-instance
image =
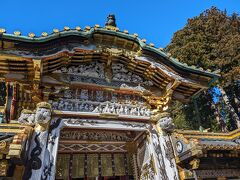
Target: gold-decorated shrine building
{"type": "Point", "coordinates": [93, 103]}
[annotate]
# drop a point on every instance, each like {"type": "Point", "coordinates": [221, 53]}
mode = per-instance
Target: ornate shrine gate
{"type": "Point", "coordinates": [96, 101]}
{"type": "Point", "coordinates": [101, 134]}
{"type": "Point", "coordinates": [110, 150]}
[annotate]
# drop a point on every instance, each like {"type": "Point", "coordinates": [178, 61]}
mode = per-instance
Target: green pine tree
{"type": "Point", "coordinates": [211, 41]}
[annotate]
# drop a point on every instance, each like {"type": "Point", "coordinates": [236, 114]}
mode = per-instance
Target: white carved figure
{"type": "Point", "coordinates": [106, 109]}
{"type": "Point", "coordinates": [68, 94]}
{"type": "Point", "coordinates": [65, 105]}
{"type": "Point", "coordinates": [84, 94]}
{"type": "Point", "coordinates": [61, 105]}
{"type": "Point", "coordinates": [86, 107]}
{"type": "Point", "coordinates": [91, 108]}
{"type": "Point", "coordinates": [81, 107]}
{"type": "Point", "coordinates": [27, 117]}
{"type": "Point", "coordinates": [114, 97]}
{"type": "Point", "coordinates": [55, 105]}
{"type": "Point", "coordinates": [93, 69]}
{"type": "Point", "coordinates": [83, 101]}
{"type": "Point", "coordinates": [112, 109]}
{"type": "Point", "coordinates": [147, 112]}
{"type": "Point", "coordinates": [70, 106]}
{"type": "Point", "coordinates": [126, 108]}
{"type": "Point", "coordinates": [99, 96]}
{"type": "Point", "coordinates": [96, 110]}
{"type": "Point", "coordinates": [43, 113]}
{"type": "Point", "coordinates": [166, 124]}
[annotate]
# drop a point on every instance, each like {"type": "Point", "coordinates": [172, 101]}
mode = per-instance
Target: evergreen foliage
{"type": "Point", "coordinates": [210, 41]}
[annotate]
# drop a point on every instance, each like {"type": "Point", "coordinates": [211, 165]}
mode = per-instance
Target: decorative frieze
{"type": "Point", "coordinates": [90, 135]}
{"type": "Point", "coordinates": [82, 148]}
{"type": "Point", "coordinates": [106, 124]}
{"type": "Point", "coordinates": [120, 73]}
{"type": "Point", "coordinates": [84, 100]}
{"type": "Point", "coordinates": [98, 73]}
{"type": "Point", "coordinates": [217, 173]}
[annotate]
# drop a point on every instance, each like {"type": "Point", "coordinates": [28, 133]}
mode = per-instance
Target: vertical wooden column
{"type": "Point", "coordinates": [18, 172]}
{"type": "Point", "coordinates": [13, 102]}
{"type": "Point", "coordinates": [50, 159]}
{"type": "Point", "coordinates": [159, 163]}
{"type": "Point", "coordinates": [166, 159]}
{"type": "Point", "coordinates": [85, 166]}
{"type": "Point", "coordinates": [38, 68]}
{"type": "Point", "coordinates": [135, 169]}
{"type": "Point", "coordinates": [70, 167]}
{"type": "Point", "coordinates": [39, 154]}
{"type": "Point", "coordinates": [99, 166]}
{"type": "Point", "coordinates": [8, 101]}
{"type": "Point", "coordinates": [126, 165]}
{"type": "Point", "coordinates": [113, 165]}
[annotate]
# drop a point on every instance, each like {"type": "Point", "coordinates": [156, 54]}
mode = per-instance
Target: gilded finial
{"type": "Point", "coordinates": [32, 35]}
{"type": "Point", "coordinates": [111, 20]}
{"type": "Point", "coordinates": [169, 54]}
{"type": "Point", "coordinates": [135, 35]}
{"type": "Point", "coordinates": [2, 30]}
{"type": "Point", "coordinates": [125, 31]}
{"type": "Point", "coordinates": [144, 40]}
{"type": "Point", "coordinates": [17, 33]}
{"type": "Point", "coordinates": [66, 28]}
{"type": "Point", "coordinates": [97, 25]}
{"type": "Point", "coordinates": [161, 49]}
{"type": "Point", "coordinates": [78, 28]}
{"type": "Point", "coordinates": [44, 34]}
{"type": "Point", "coordinates": [151, 44]}
{"type": "Point", "coordinates": [87, 28]}
{"type": "Point", "coordinates": [55, 30]}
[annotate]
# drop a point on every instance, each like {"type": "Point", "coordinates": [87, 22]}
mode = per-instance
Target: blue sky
{"type": "Point", "coordinates": [154, 20]}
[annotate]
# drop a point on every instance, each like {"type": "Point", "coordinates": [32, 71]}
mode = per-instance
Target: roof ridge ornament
{"type": "Point", "coordinates": [111, 20]}
{"type": "Point", "coordinates": [111, 23]}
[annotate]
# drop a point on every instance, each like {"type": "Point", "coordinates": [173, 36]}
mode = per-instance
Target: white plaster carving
{"type": "Point", "coordinates": [166, 124]}
{"type": "Point", "coordinates": [42, 115]}
{"type": "Point", "coordinates": [27, 118]}
{"type": "Point", "coordinates": [104, 107]}
{"type": "Point", "coordinates": [93, 69]}
{"type": "Point", "coordinates": [105, 124]}
{"type": "Point", "coordinates": [120, 73]}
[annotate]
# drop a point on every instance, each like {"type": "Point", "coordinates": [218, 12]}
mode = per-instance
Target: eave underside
{"type": "Point", "coordinates": [17, 63]}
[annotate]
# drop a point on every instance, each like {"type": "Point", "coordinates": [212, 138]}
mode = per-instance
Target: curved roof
{"type": "Point", "coordinates": [89, 32]}
{"type": "Point", "coordinates": [156, 60]}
